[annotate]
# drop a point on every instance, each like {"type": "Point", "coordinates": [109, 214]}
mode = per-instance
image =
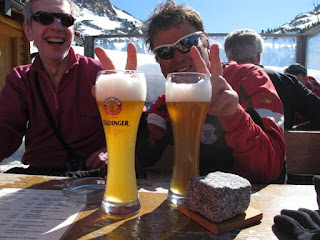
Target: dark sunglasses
{"type": "Point", "coordinates": [46, 18]}
{"type": "Point", "coordinates": [184, 45]}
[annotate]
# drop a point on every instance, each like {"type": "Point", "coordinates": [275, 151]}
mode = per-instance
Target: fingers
{"type": "Point", "coordinates": [98, 160]}
{"type": "Point", "coordinates": [198, 61]}
{"type": "Point", "coordinates": [93, 91]}
{"type": "Point", "coordinates": [104, 59]}
{"type": "Point", "coordinates": [288, 225]}
{"type": "Point", "coordinates": [106, 62]}
{"type": "Point", "coordinates": [316, 182]}
{"type": "Point", "coordinates": [224, 100]}
{"type": "Point", "coordinates": [313, 214]}
{"type": "Point", "coordinates": [303, 218]}
{"type": "Point", "coordinates": [216, 66]}
{"type": "Point", "coordinates": [132, 61]}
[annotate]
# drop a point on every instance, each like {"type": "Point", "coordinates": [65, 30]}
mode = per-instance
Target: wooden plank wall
{"type": "Point", "coordinates": [303, 152]}
{"type": "Point", "coordinates": [14, 47]}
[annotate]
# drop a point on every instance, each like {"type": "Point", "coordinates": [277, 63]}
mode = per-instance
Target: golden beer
{"type": "Point", "coordinates": [187, 103]}
{"type": "Point", "coordinates": [120, 98]}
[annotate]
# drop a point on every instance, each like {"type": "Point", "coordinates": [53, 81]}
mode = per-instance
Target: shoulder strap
{"type": "Point", "coordinates": [51, 120]}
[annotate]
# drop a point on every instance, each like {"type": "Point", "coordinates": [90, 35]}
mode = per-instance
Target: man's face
{"type": "Point", "coordinates": [53, 40]}
{"type": "Point", "coordinates": [302, 78]}
{"type": "Point", "coordinates": [181, 62]}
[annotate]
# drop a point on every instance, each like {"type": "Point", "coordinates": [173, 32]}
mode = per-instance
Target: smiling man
{"type": "Point", "coordinates": [60, 79]}
{"type": "Point", "coordinates": [243, 131]}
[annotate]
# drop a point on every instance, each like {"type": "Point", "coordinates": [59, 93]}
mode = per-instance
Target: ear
{"type": "Point", "coordinates": [27, 31]}
{"type": "Point", "coordinates": [258, 58]}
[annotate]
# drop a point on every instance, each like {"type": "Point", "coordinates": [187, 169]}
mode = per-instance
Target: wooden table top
{"type": "Point", "coordinates": [157, 220]}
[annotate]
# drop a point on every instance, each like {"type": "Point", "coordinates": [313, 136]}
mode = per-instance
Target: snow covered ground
{"type": "Point", "coordinates": [14, 160]}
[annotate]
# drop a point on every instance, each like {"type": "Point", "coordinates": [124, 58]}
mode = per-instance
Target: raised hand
{"type": "Point", "coordinates": [224, 100]}
{"type": "Point", "coordinates": [107, 63]}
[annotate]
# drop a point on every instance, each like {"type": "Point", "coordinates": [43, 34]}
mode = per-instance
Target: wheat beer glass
{"type": "Point", "coordinates": [187, 95]}
{"type": "Point", "coordinates": [120, 96]}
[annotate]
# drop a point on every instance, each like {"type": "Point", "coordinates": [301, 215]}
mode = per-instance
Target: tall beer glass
{"type": "Point", "coordinates": [120, 96]}
{"type": "Point", "coordinates": [187, 95]}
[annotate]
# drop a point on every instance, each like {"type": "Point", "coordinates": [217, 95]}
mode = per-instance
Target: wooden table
{"type": "Point", "coordinates": [157, 220]}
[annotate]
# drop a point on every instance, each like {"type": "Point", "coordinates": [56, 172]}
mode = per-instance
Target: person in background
{"type": "Point", "coordinates": [246, 46]}
{"type": "Point", "coordinates": [243, 131]}
{"type": "Point", "coordinates": [64, 80]}
{"type": "Point", "coordinates": [302, 75]}
{"type": "Point", "coordinates": [300, 72]}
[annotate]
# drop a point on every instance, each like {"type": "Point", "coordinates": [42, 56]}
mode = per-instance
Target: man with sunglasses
{"type": "Point", "coordinates": [64, 79]}
{"type": "Point", "coordinates": [243, 131]}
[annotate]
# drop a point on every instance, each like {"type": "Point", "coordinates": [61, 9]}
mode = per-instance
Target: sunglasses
{"type": "Point", "coordinates": [184, 45]}
{"type": "Point", "coordinates": [46, 18]}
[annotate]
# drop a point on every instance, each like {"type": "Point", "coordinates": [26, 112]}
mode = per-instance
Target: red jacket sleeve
{"type": "Point", "coordinates": [13, 119]}
{"type": "Point", "coordinates": [258, 151]}
{"type": "Point", "coordinates": [152, 136]}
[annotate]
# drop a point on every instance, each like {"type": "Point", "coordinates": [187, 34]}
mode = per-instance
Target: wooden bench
{"type": "Point", "coordinates": [302, 154]}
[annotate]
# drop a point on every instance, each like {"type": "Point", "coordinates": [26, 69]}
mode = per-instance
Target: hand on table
{"type": "Point", "coordinates": [301, 224]}
{"type": "Point", "coordinates": [99, 160]}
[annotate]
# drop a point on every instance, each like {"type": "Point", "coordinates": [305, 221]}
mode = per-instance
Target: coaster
{"type": "Point", "coordinates": [249, 217]}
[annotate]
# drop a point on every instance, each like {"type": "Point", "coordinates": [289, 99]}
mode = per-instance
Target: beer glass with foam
{"type": "Point", "coordinates": [187, 95]}
{"type": "Point", "coordinates": [120, 96]}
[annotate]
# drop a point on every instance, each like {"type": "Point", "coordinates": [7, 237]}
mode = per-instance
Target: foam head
{"type": "Point", "coordinates": [124, 85]}
{"type": "Point", "coordinates": [189, 92]}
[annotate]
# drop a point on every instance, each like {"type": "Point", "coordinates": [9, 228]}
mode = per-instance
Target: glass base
{"type": "Point", "coordinates": [175, 199]}
{"type": "Point", "coordinates": [115, 210]}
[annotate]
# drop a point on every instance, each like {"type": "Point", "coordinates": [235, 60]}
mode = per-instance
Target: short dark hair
{"type": "Point", "coordinates": [296, 69]}
{"type": "Point", "coordinates": [167, 15]}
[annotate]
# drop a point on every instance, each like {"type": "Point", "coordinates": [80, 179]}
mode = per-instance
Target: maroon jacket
{"type": "Point", "coordinates": [72, 106]}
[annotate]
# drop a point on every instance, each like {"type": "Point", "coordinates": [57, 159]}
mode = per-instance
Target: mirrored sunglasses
{"type": "Point", "coordinates": [184, 45]}
{"type": "Point", "coordinates": [46, 18]}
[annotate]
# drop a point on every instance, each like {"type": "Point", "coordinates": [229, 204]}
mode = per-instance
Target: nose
{"type": "Point", "coordinates": [57, 23]}
{"type": "Point", "coordinates": [179, 56]}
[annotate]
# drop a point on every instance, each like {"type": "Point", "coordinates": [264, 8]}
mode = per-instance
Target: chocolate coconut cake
{"type": "Point", "coordinates": [218, 196]}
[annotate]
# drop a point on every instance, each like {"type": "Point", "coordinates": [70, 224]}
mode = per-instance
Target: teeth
{"type": "Point", "coordinates": [183, 69]}
{"type": "Point", "coordinates": [55, 40]}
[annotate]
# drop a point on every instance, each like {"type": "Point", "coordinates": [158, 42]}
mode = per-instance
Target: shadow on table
{"type": "Point", "coordinates": [164, 222]}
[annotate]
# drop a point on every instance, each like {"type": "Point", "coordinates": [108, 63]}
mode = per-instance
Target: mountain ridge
{"type": "Point", "coordinates": [119, 22]}
{"type": "Point", "coordinates": [300, 23]}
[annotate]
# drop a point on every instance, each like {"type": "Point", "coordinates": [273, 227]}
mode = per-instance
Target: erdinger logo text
{"type": "Point", "coordinates": [116, 123]}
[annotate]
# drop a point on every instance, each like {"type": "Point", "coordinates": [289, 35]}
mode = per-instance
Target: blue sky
{"type": "Point", "coordinates": [224, 16]}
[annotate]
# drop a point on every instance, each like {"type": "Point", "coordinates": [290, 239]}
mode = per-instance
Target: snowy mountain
{"type": "Point", "coordinates": [99, 17]}
{"type": "Point", "coordinates": [300, 23]}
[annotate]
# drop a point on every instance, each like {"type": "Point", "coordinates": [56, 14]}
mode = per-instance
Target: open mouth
{"type": "Point", "coordinates": [55, 40]}
{"type": "Point", "coordinates": [184, 69]}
